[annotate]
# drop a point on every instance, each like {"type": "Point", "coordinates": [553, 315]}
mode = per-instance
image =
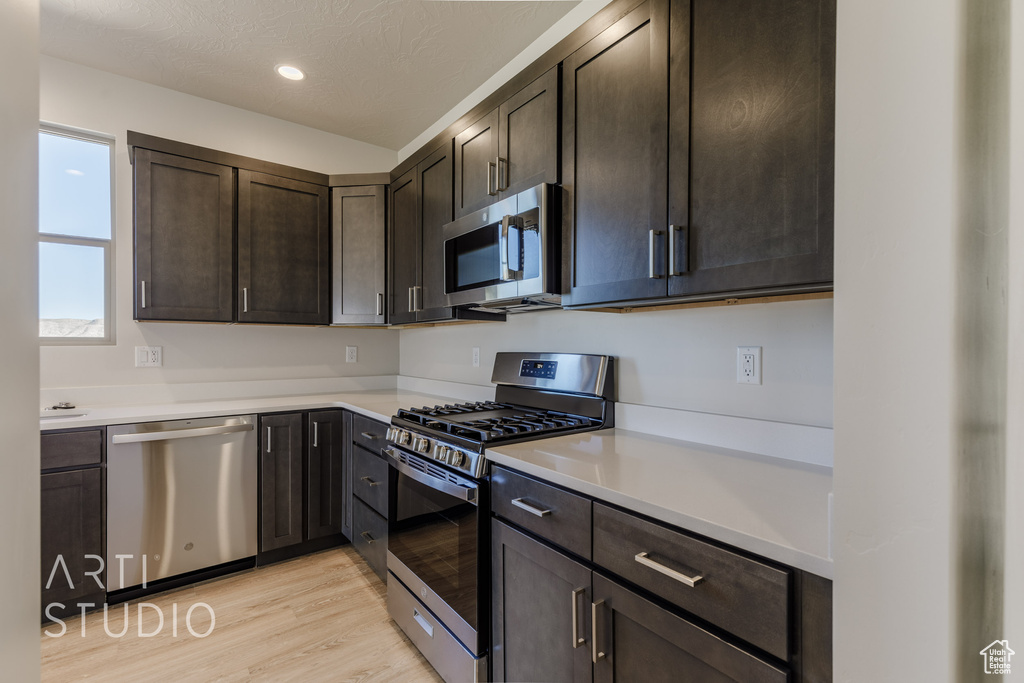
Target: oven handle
{"type": "Point", "coordinates": [465, 493]}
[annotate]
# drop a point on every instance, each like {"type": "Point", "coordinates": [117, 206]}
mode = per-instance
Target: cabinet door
{"type": "Point", "coordinates": [405, 247]}
{"type": "Point", "coordinates": [280, 480]}
{"type": "Point", "coordinates": [358, 258]}
{"type": "Point", "coordinates": [758, 198]}
{"type": "Point", "coordinates": [435, 186]}
{"type": "Point", "coordinates": [325, 483]}
{"type": "Point", "coordinates": [614, 172]}
{"type": "Point", "coordinates": [541, 611]}
{"type": "Point", "coordinates": [283, 250]}
{"type": "Point", "coordinates": [476, 159]}
{"type": "Point", "coordinates": [184, 238]}
{"type": "Point", "coordinates": [71, 538]}
{"type": "Point", "coordinates": [637, 640]}
{"type": "Point", "coordinates": [528, 137]}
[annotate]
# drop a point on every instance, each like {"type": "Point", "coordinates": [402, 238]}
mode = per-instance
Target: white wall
{"type": "Point", "coordinates": [86, 98]}
{"type": "Point", "coordinates": [19, 457]}
{"type": "Point", "coordinates": [684, 359]}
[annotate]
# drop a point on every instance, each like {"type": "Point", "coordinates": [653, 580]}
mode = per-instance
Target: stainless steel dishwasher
{"type": "Point", "coordinates": [181, 496]}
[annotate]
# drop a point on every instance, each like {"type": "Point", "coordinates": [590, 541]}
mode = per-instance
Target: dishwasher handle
{"type": "Point", "coordinates": [181, 433]}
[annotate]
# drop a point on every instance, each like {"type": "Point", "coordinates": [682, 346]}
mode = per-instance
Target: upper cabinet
{"type": "Point", "coordinates": [191, 265]}
{"type": "Point", "coordinates": [283, 250]}
{"type": "Point", "coordinates": [698, 152]}
{"type": "Point", "coordinates": [511, 149]}
{"type": "Point", "coordinates": [184, 238]}
{"type": "Point", "coordinates": [357, 239]}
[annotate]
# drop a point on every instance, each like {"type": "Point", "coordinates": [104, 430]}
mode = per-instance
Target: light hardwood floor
{"type": "Point", "coordinates": [320, 617]}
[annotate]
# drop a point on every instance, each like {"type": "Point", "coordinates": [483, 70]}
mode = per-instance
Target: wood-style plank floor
{"type": "Point", "coordinates": [321, 617]}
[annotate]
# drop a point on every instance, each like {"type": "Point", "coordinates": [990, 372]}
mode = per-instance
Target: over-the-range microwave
{"type": "Point", "coordinates": [507, 255]}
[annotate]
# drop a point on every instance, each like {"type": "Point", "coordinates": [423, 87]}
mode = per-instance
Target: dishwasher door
{"type": "Point", "coordinates": [181, 496]}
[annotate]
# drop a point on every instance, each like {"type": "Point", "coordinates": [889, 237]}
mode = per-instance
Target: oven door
{"type": "Point", "coordinates": [435, 533]}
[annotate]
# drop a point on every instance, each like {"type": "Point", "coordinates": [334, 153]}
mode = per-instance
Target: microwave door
{"type": "Point", "coordinates": [474, 263]}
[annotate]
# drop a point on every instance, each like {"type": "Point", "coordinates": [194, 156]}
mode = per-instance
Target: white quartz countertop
{"type": "Point", "coordinates": [772, 507]}
{"type": "Point", "coordinates": [379, 404]}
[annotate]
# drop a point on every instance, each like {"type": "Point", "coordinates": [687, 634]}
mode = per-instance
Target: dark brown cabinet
{"type": "Point", "coordinates": [280, 480]}
{"type": "Point", "coordinates": [421, 205]}
{"type": "Point", "coordinates": [511, 149]}
{"type": "Point", "coordinates": [358, 257]}
{"type": "Point", "coordinates": [184, 238]}
{"type": "Point", "coordinates": [325, 483]}
{"type": "Point", "coordinates": [283, 250]}
{"type": "Point", "coordinates": [368, 492]}
{"type": "Point", "coordinates": [698, 152]}
{"type": "Point", "coordinates": [72, 548]}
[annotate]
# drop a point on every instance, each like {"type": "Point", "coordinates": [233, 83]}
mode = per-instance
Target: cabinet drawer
{"type": "Point", "coordinates": [370, 480]}
{"type": "Point", "coordinates": [71, 449]}
{"type": "Point", "coordinates": [559, 516]}
{"type": "Point", "coordinates": [368, 433]}
{"type": "Point", "coordinates": [370, 537]}
{"type": "Point", "coordinates": [743, 596]}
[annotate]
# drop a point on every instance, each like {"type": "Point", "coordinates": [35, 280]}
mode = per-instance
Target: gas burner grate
{"type": "Point", "coordinates": [457, 420]}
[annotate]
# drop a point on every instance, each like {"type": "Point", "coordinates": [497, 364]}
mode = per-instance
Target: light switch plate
{"type": "Point", "coordinates": [149, 356]}
{"type": "Point", "coordinates": [748, 365]}
{"type": "Point", "coordinates": [476, 356]}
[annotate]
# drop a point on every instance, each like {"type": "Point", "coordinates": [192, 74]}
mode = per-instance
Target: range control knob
{"type": "Point", "coordinates": [455, 458]}
{"type": "Point", "coordinates": [441, 453]}
{"type": "Point", "coordinates": [402, 437]}
{"type": "Point", "coordinates": [421, 445]}
{"type": "Point", "coordinates": [392, 431]}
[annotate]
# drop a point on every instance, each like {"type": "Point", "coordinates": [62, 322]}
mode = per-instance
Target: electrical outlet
{"type": "Point", "coordinates": [149, 356]}
{"type": "Point", "coordinates": [476, 356]}
{"type": "Point", "coordinates": [748, 364]}
{"type": "Point", "coordinates": [351, 354]}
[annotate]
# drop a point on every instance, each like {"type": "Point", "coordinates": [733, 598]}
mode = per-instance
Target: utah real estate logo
{"type": "Point", "coordinates": [997, 657]}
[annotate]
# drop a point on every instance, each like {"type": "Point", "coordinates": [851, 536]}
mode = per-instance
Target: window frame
{"type": "Point", "coordinates": [109, 337]}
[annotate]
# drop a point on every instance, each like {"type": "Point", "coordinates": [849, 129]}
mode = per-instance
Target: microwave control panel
{"type": "Point", "coordinates": [542, 369]}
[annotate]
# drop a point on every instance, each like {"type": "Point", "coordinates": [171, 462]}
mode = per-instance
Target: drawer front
{"type": "Point", "coordinates": [368, 433]}
{"type": "Point", "coordinates": [556, 515]}
{"type": "Point", "coordinates": [370, 480]}
{"type": "Point", "coordinates": [71, 449]}
{"type": "Point", "coordinates": [370, 537]}
{"type": "Point", "coordinates": [748, 598]}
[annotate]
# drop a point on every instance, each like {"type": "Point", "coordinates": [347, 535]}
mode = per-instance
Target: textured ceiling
{"type": "Point", "coordinates": [376, 70]}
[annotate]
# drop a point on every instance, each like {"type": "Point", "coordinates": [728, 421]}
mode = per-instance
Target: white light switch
{"type": "Point", "coordinates": [149, 356]}
{"type": "Point", "coordinates": [351, 354]}
{"type": "Point", "coordinates": [748, 364]}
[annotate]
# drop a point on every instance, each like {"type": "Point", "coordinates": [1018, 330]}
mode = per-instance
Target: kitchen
{"type": "Point", "coordinates": [886, 478]}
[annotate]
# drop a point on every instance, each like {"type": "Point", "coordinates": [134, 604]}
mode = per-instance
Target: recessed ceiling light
{"type": "Point", "coordinates": [290, 72]}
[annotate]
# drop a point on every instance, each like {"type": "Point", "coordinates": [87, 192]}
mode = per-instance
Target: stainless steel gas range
{"type": "Point", "coordinates": [438, 528]}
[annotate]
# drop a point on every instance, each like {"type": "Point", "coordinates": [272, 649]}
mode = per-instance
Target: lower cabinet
{"type": "Point", "coordinates": [72, 523]}
{"type": "Point", "coordinates": [369, 493]}
{"type": "Point", "coordinates": [301, 480]}
{"type": "Point", "coordinates": [557, 616]}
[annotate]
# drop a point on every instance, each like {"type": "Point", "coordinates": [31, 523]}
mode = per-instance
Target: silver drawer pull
{"type": "Point", "coordinates": [369, 481]}
{"type": "Point", "coordinates": [577, 639]}
{"type": "Point", "coordinates": [368, 435]}
{"type": "Point", "coordinates": [523, 505]}
{"type": "Point", "coordinates": [424, 624]}
{"type": "Point", "coordinates": [367, 537]}
{"type": "Point", "coordinates": [690, 581]}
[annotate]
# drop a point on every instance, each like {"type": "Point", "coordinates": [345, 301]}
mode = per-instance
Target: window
{"type": "Point", "coordinates": [75, 236]}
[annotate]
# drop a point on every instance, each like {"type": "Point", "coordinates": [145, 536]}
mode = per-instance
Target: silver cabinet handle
{"type": "Point", "coordinates": [576, 639]}
{"type": "Point", "coordinates": [499, 161]}
{"type": "Point", "coordinates": [417, 298]}
{"type": "Point", "coordinates": [674, 269]}
{"type": "Point", "coordinates": [596, 653]}
{"type": "Point", "coordinates": [245, 299]}
{"type": "Point", "coordinates": [523, 505]}
{"type": "Point", "coordinates": [369, 435]}
{"type": "Point", "coordinates": [380, 303]}
{"type": "Point", "coordinates": [268, 439]}
{"type": "Point", "coordinates": [180, 433]}
{"type": "Point", "coordinates": [646, 561]}
{"type": "Point", "coordinates": [424, 624]}
{"type": "Point", "coordinates": [492, 189]}
{"type": "Point", "coordinates": [316, 433]}
{"type": "Point", "coordinates": [411, 309]}
{"type": "Point", "coordinates": [367, 537]}
{"type": "Point", "coordinates": [369, 481]}
{"type": "Point", "coordinates": [143, 294]}
{"type": "Point", "coordinates": [652, 234]}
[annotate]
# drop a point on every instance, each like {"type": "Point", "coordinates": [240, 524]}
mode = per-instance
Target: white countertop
{"type": "Point", "coordinates": [379, 404]}
{"type": "Point", "coordinates": [769, 506]}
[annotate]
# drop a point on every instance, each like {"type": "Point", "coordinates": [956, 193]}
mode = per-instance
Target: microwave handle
{"type": "Point", "coordinates": [508, 273]}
